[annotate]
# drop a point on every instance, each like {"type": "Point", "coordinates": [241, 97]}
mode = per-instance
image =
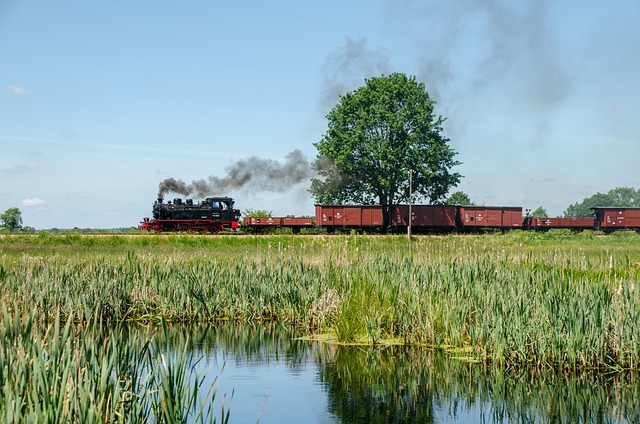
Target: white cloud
{"type": "Point", "coordinates": [77, 195]}
{"type": "Point", "coordinates": [542, 179]}
{"type": "Point", "coordinates": [20, 169]}
{"type": "Point", "coordinates": [18, 91]}
{"type": "Point", "coordinates": [32, 202]}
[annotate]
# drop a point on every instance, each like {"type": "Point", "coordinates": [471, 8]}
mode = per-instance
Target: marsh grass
{"type": "Point", "coordinates": [62, 372]}
{"type": "Point", "coordinates": [522, 299]}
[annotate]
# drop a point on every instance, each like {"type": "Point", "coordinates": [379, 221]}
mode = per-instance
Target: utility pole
{"type": "Point", "coordinates": [410, 195]}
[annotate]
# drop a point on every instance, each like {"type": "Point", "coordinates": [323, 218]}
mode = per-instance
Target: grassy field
{"type": "Point", "coordinates": [554, 299]}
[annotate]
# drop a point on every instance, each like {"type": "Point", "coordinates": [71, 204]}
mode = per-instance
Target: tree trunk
{"type": "Point", "coordinates": [387, 205]}
{"type": "Point", "coordinates": [386, 221]}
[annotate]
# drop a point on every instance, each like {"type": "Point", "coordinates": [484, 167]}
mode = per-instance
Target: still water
{"type": "Point", "coordinates": [264, 374]}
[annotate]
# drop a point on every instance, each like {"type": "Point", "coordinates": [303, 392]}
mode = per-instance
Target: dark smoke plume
{"type": "Point", "coordinates": [254, 173]}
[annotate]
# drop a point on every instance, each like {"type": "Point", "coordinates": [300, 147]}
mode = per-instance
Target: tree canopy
{"type": "Point", "coordinates": [258, 213]}
{"type": "Point", "coordinates": [459, 198]}
{"type": "Point", "coordinates": [540, 213]}
{"type": "Point", "coordinates": [11, 219]}
{"type": "Point", "coordinates": [376, 135]}
{"type": "Point", "coordinates": [626, 197]}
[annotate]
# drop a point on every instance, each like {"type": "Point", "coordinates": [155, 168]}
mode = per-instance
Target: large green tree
{"type": "Point", "coordinates": [376, 135]}
{"type": "Point", "coordinates": [618, 197]}
{"type": "Point", "coordinates": [11, 219]}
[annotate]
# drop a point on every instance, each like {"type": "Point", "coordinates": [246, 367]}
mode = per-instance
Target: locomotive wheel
{"type": "Point", "coordinates": [215, 228]}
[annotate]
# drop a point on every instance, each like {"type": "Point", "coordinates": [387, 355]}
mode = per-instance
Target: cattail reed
{"type": "Point", "coordinates": [556, 300]}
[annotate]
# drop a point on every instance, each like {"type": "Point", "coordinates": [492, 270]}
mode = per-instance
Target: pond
{"type": "Point", "coordinates": [264, 374]}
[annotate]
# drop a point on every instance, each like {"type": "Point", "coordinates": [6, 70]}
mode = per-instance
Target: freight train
{"type": "Point", "coordinates": [216, 214]}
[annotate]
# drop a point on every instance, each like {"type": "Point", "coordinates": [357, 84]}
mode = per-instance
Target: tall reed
{"type": "Point", "coordinates": [521, 299]}
{"type": "Point", "coordinates": [60, 372]}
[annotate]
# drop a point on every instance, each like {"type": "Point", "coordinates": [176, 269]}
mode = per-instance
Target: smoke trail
{"type": "Point", "coordinates": [515, 53]}
{"type": "Point", "coordinates": [255, 173]}
{"type": "Point", "coordinates": [346, 69]}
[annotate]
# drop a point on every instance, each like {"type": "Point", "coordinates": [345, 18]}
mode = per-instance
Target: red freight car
{"type": "Point", "coordinates": [504, 217]}
{"type": "Point", "coordinates": [262, 223]}
{"type": "Point", "coordinates": [424, 217]}
{"type": "Point", "coordinates": [349, 216]}
{"type": "Point", "coordinates": [570, 223]}
{"type": "Point", "coordinates": [610, 218]}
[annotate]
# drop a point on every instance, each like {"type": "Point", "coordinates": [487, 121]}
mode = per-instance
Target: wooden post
{"type": "Point", "coordinates": [410, 195]}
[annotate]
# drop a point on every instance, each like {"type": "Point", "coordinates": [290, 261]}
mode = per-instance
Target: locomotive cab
{"type": "Point", "coordinates": [222, 209]}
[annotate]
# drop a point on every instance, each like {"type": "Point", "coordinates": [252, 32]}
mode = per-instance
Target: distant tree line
{"type": "Point", "coordinates": [626, 197]}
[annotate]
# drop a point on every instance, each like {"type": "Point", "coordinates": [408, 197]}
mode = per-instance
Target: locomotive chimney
{"type": "Point", "coordinates": [160, 200]}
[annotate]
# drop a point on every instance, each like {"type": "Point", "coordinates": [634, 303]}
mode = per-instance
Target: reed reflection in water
{"type": "Point", "coordinates": [271, 377]}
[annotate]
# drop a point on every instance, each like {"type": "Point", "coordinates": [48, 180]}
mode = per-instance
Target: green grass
{"type": "Point", "coordinates": [522, 299]}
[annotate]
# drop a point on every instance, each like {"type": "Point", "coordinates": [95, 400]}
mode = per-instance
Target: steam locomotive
{"type": "Point", "coordinates": [212, 215]}
{"type": "Point", "coordinates": [216, 214]}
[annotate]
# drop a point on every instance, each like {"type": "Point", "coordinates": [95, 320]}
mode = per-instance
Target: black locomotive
{"type": "Point", "coordinates": [214, 214]}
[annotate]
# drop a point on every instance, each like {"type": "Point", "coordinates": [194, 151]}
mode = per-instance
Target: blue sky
{"type": "Point", "coordinates": [100, 102]}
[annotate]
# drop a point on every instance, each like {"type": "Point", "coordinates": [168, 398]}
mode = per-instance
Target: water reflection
{"type": "Point", "coordinates": [419, 385]}
{"type": "Point", "coordinates": [276, 378]}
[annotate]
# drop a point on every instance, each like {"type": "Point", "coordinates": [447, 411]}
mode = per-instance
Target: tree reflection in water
{"type": "Point", "coordinates": [396, 384]}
